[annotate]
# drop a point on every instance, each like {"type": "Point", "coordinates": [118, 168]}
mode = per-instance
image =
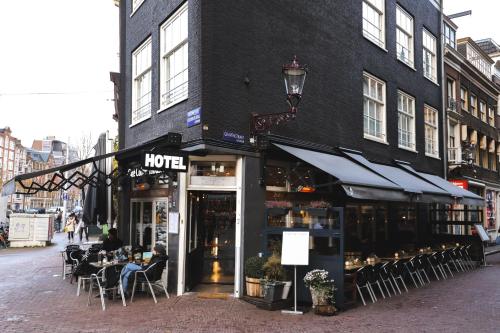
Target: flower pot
{"type": "Point", "coordinates": [273, 291]}
{"type": "Point", "coordinates": [325, 310]}
{"type": "Point", "coordinates": [319, 297]}
{"type": "Point", "coordinates": [286, 289]}
{"type": "Point", "coordinates": [253, 287]}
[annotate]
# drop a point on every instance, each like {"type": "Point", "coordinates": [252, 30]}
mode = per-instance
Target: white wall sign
{"type": "Point", "coordinates": [173, 223]}
{"type": "Point", "coordinates": [295, 248]}
{"type": "Point", "coordinates": [482, 233]}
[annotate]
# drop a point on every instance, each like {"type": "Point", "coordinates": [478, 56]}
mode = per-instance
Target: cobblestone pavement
{"type": "Point", "coordinates": [34, 298]}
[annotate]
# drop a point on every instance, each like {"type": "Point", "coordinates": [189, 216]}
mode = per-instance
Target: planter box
{"type": "Point", "coordinates": [273, 291]}
{"type": "Point", "coordinates": [261, 303]}
{"type": "Point", "coordinates": [253, 286]}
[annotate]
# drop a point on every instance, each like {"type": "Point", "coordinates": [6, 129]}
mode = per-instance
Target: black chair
{"type": "Point", "coordinates": [450, 259]}
{"type": "Point", "coordinates": [421, 264]}
{"type": "Point", "coordinates": [434, 264]}
{"type": "Point", "coordinates": [458, 259]}
{"type": "Point", "coordinates": [68, 261]}
{"type": "Point", "coordinates": [373, 279]}
{"type": "Point", "coordinates": [466, 257]}
{"type": "Point", "coordinates": [397, 271]}
{"type": "Point", "coordinates": [383, 270]}
{"type": "Point", "coordinates": [362, 281]}
{"type": "Point", "coordinates": [443, 262]}
{"type": "Point", "coordinates": [411, 268]}
{"type": "Point", "coordinates": [153, 277]}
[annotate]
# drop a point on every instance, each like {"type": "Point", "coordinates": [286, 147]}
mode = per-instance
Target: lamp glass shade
{"type": "Point", "coordinates": [294, 80]}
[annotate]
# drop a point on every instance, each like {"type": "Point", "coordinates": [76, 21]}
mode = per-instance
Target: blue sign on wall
{"type": "Point", "coordinates": [233, 137]}
{"type": "Point", "coordinates": [193, 117]}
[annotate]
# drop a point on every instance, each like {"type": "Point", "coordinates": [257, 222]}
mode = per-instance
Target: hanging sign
{"type": "Point", "coordinates": [193, 117]}
{"type": "Point", "coordinates": [295, 248]}
{"type": "Point", "coordinates": [162, 161]}
{"type": "Point", "coordinates": [462, 183]}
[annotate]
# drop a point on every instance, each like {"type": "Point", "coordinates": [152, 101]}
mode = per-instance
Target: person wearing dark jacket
{"type": "Point", "coordinates": [159, 255]}
{"type": "Point", "coordinates": [112, 242]}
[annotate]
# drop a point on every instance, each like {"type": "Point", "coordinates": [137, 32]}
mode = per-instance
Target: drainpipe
{"type": "Point", "coordinates": [443, 95]}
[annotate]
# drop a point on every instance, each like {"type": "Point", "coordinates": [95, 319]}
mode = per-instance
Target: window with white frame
{"type": "Point", "coordinates": [406, 121]}
{"type": "Point", "coordinates": [449, 36]}
{"type": "Point", "coordinates": [491, 116]}
{"type": "Point", "coordinates": [482, 110]}
{"type": "Point", "coordinates": [373, 107]}
{"type": "Point", "coordinates": [141, 82]}
{"type": "Point", "coordinates": [463, 99]}
{"type": "Point", "coordinates": [404, 36]}
{"type": "Point", "coordinates": [473, 105]}
{"type": "Point", "coordinates": [429, 56]}
{"type": "Point", "coordinates": [1, 141]}
{"type": "Point", "coordinates": [174, 58]}
{"type": "Point", "coordinates": [450, 94]}
{"type": "Point", "coordinates": [431, 131]}
{"type": "Point", "coordinates": [373, 21]}
{"type": "Point", "coordinates": [136, 4]}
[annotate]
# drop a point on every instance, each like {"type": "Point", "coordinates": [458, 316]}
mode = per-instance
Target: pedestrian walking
{"type": "Point", "coordinates": [58, 220]}
{"type": "Point", "coordinates": [70, 227]}
{"type": "Point", "coordinates": [82, 227]}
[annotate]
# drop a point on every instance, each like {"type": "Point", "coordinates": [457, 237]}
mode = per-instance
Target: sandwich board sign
{"type": "Point", "coordinates": [482, 233]}
{"type": "Point", "coordinates": [295, 248]}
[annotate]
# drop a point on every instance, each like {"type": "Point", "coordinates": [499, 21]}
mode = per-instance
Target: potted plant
{"type": "Point", "coordinates": [274, 274]}
{"type": "Point", "coordinates": [322, 291]}
{"type": "Point", "coordinates": [275, 247]}
{"type": "Point", "coordinates": [253, 274]}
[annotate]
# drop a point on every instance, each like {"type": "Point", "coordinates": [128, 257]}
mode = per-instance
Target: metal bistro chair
{"type": "Point", "coordinates": [421, 264]}
{"type": "Point", "coordinates": [68, 262]}
{"type": "Point", "coordinates": [465, 255]}
{"type": "Point", "coordinates": [434, 264]}
{"type": "Point", "coordinates": [153, 277]}
{"type": "Point", "coordinates": [362, 276]}
{"type": "Point", "coordinates": [104, 287]}
{"type": "Point", "coordinates": [383, 270]}
{"type": "Point", "coordinates": [448, 254]}
{"type": "Point", "coordinates": [443, 261]}
{"type": "Point", "coordinates": [412, 270]}
{"type": "Point", "coordinates": [397, 271]}
{"type": "Point", "coordinates": [469, 257]}
{"type": "Point", "coordinates": [457, 256]}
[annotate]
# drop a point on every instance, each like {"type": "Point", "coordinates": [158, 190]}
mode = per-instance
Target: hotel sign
{"type": "Point", "coordinates": [165, 161]}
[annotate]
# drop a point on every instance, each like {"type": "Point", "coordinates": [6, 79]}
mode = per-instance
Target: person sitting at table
{"type": "Point", "coordinates": [112, 242]}
{"type": "Point", "coordinates": [159, 254]}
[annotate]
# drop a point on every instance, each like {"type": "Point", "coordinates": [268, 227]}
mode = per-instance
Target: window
{"type": "Point", "coordinates": [482, 110]}
{"type": "Point", "coordinates": [429, 56]}
{"type": "Point", "coordinates": [452, 142]}
{"type": "Point", "coordinates": [136, 4]}
{"type": "Point", "coordinates": [449, 36]}
{"type": "Point", "coordinates": [491, 116]}
{"type": "Point", "coordinates": [473, 105]}
{"type": "Point", "coordinates": [450, 93]}
{"type": "Point", "coordinates": [174, 58]}
{"type": "Point", "coordinates": [141, 91]}
{"type": "Point", "coordinates": [1, 141]}
{"type": "Point", "coordinates": [431, 131]}
{"type": "Point", "coordinates": [463, 99]}
{"type": "Point", "coordinates": [404, 36]}
{"type": "Point", "coordinates": [373, 21]}
{"type": "Point", "coordinates": [478, 61]}
{"type": "Point", "coordinates": [373, 107]}
{"type": "Point", "coordinates": [493, 161]}
{"type": "Point", "coordinates": [406, 121]}
{"type": "Point", "coordinates": [10, 166]}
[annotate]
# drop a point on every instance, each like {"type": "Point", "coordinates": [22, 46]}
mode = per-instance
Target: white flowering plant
{"type": "Point", "coordinates": [318, 280]}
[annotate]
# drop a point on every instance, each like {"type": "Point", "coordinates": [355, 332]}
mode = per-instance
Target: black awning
{"type": "Point", "coordinates": [20, 184]}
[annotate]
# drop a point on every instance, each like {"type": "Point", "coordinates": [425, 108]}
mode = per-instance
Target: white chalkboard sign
{"type": "Point", "coordinates": [295, 248]}
{"type": "Point", "coordinates": [482, 233]}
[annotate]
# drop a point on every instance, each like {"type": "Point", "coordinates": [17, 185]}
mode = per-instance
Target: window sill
{"type": "Point", "coordinates": [138, 122]}
{"type": "Point", "coordinates": [433, 81]}
{"type": "Point", "coordinates": [137, 8]}
{"type": "Point", "coordinates": [433, 156]}
{"type": "Point", "coordinates": [168, 106]}
{"type": "Point", "coordinates": [382, 47]}
{"type": "Point", "coordinates": [408, 149]}
{"type": "Point", "coordinates": [407, 65]}
{"type": "Point", "coordinates": [376, 139]}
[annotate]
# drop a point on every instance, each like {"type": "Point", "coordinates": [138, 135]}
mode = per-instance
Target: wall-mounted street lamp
{"type": "Point", "coordinates": [294, 76]}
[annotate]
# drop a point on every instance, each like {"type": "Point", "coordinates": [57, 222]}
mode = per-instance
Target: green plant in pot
{"type": "Point", "coordinates": [274, 275]}
{"type": "Point", "coordinates": [254, 272]}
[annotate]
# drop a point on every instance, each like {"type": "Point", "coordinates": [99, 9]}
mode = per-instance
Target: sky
{"type": "Point", "coordinates": [57, 54]}
{"type": "Point", "coordinates": [54, 68]}
{"type": "Point", "coordinates": [484, 21]}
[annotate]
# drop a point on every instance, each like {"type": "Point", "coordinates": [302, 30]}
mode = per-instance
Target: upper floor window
{"type": "Point", "coordinates": [450, 94]}
{"type": "Point", "coordinates": [491, 116]}
{"type": "Point", "coordinates": [482, 110]}
{"type": "Point", "coordinates": [404, 36]}
{"type": "Point", "coordinates": [1, 141]}
{"type": "Point", "coordinates": [463, 99]}
{"type": "Point", "coordinates": [473, 105]}
{"type": "Point", "coordinates": [136, 4]}
{"type": "Point", "coordinates": [373, 21]}
{"type": "Point", "coordinates": [141, 83]}
{"type": "Point", "coordinates": [429, 56]}
{"type": "Point", "coordinates": [431, 131]}
{"type": "Point", "coordinates": [450, 36]}
{"type": "Point", "coordinates": [374, 107]}
{"type": "Point", "coordinates": [406, 121]}
{"type": "Point", "coordinates": [174, 58]}
{"type": "Point", "coordinates": [478, 61]}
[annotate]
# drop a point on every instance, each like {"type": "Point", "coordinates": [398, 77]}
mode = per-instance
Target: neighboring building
{"type": "Point", "coordinates": [201, 68]}
{"type": "Point", "coordinates": [39, 161]}
{"type": "Point", "coordinates": [12, 162]}
{"type": "Point", "coordinates": [473, 137]}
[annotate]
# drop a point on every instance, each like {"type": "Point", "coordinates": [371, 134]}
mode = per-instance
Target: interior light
{"type": "Point", "coordinates": [306, 189]}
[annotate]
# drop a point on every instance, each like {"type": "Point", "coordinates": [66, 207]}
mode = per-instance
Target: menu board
{"type": "Point", "coordinates": [295, 248]}
{"type": "Point", "coordinates": [482, 233]}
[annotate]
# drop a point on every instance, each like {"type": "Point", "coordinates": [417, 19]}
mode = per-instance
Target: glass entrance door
{"type": "Point", "coordinates": [149, 223]}
{"type": "Point", "coordinates": [211, 238]}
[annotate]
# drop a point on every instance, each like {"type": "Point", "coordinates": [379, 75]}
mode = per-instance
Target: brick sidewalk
{"type": "Point", "coordinates": [34, 298]}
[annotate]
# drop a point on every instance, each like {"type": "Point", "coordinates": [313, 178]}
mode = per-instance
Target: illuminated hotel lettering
{"type": "Point", "coordinates": [164, 162]}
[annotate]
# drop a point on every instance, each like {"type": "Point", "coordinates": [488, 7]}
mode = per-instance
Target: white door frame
{"type": "Point", "coordinates": [153, 200]}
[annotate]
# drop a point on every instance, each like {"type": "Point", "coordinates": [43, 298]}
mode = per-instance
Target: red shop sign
{"type": "Point", "coordinates": [460, 183]}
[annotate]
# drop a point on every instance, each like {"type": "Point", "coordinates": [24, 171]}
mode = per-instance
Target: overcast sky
{"type": "Point", "coordinates": [57, 54]}
{"type": "Point", "coordinates": [67, 47]}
